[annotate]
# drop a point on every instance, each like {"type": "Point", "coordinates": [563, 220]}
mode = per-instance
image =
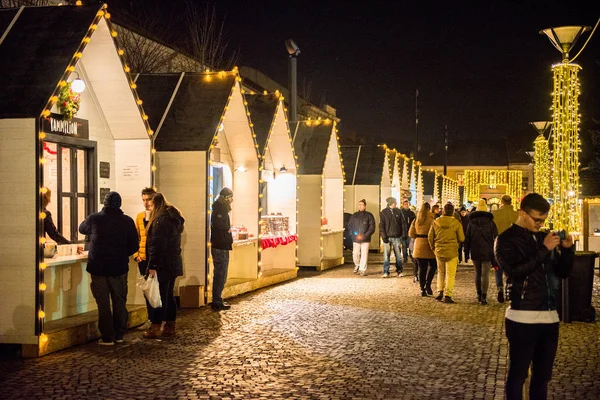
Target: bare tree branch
{"type": "Point", "coordinates": [206, 39]}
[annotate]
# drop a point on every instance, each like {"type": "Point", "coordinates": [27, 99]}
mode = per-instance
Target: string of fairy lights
{"type": "Point", "coordinates": [512, 180]}
{"type": "Point", "coordinates": [565, 212]}
{"type": "Point", "coordinates": [541, 166]}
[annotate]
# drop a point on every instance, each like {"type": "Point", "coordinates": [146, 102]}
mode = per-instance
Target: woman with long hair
{"type": "Point", "coordinates": [163, 250]}
{"type": "Point", "coordinates": [423, 253]}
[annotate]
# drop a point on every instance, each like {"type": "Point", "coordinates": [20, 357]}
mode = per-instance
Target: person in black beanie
{"type": "Point", "coordinates": [221, 243]}
{"type": "Point", "coordinates": [113, 238]}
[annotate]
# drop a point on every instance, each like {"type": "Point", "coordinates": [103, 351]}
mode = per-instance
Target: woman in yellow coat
{"type": "Point", "coordinates": [444, 237]}
{"type": "Point", "coordinates": [422, 252]}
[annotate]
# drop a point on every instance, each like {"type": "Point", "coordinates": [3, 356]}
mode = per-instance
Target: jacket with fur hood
{"type": "Point", "coordinates": [444, 236]}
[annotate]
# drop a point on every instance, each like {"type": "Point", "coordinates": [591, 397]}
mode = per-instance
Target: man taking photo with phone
{"type": "Point", "coordinates": [533, 263]}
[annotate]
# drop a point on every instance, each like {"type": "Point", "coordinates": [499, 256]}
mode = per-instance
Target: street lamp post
{"type": "Point", "coordinates": [293, 51]}
{"type": "Point", "coordinates": [565, 120]}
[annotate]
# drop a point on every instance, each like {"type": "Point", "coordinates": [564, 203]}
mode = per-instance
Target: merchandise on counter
{"type": "Point", "coordinates": [274, 225]}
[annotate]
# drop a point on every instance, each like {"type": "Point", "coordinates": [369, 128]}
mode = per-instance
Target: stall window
{"type": "Point", "coordinates": [217, 181]}
{"type": "Point", "coordinates": [68, 174]}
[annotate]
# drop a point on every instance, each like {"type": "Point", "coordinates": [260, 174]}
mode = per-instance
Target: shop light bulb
{"type": "Point", "coordinates": [78, 86]}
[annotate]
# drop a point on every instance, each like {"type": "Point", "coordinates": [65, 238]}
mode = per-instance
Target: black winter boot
{"type": "Point", "coordinates": [500, 295]}
{"type": "Point", "coordinates": [484, 300]}
{"type": "Point", "coordinates": [440, 296]}
{"type": "Point", "coordinates": [479, 296]}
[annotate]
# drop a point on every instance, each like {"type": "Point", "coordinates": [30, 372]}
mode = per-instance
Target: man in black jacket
{"type": "Point", "coordinates": [391, 226]}
{"type": "Point", "coordinates": [113, 238]}
{"type": "Point", "coordinates": [533, 262]}
{"type": "Point", "coordinates": [408, 216]}
{"type": "Point", "coordinates": [361, 227]}
{"type": "Point", "coordinates": [221, 242]}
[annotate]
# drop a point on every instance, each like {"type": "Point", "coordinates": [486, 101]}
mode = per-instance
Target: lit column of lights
{"type": "Point", "coordinates": [566, 147]}
{"type": "Point", "coordinates": [565, 213]}
{"type": "Point", "coordinates": [413, 181]}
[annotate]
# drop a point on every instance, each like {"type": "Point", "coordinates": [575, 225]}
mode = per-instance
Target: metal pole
{"type": "Point", "coordinates": [293, 88]}
{"type": "Point", "coordinates": [445, 149]}
{"type": "Point", "coordinates": [417, 124]}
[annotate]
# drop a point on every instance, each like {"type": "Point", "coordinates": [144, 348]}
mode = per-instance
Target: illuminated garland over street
{"type": "Point", "coordinates": [541, 167]}
{"type": "Point", "coordinates": [565, 213]}
{"type": "Point", "coordinates": [474, 178]}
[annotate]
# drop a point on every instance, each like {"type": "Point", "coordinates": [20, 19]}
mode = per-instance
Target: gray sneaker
{"type": "Point", "coordinates": [386, 275]}
{"type": "Point", "coordinates": [356, 269]}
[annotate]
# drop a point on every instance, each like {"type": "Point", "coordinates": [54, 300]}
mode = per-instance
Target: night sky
{"type": "Point", "coordinates": [481, 67]}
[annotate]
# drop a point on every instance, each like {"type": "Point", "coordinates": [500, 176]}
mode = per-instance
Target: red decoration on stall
{"type": "Point", "coordinates": [265, 243]}
{"type": "Point", "coordinates": [48, 149]}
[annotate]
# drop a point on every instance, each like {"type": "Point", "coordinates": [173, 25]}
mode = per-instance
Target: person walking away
{"type": "Point", "coordinates": [423, 254]}
{"type": "Point", "coordinates": [391, 225]}
{"type": "Point", "coordinates": [164, 260]}
{"type": "Point", "coordinates": [408, 216]}
{"type": "Point", "coordinates": [362, 227]}
{"type": "Point", "coordinates": [479, 244]}
{"type": "Point", "coordinates": [504, 217]}
{"type": "Point", "coordinates": [464, 220]}
{"type": "Point", "coordinates": [221, 243]}
{"type": "Point", "coordinates": [444, 236]}
{"type": "Point", "coordinates": [533, 262]}
{"type": "Point", "coordinates": [141, 224]}
{"type": "Point", "coordinates": [435, 209]}
{"type": "Point", "coordinates": [113, 238]}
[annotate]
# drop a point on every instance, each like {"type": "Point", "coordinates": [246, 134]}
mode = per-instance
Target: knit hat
{"type": "Point", "coordinates": [463, 208]}
{"type": "Point", "coordinates": [390, 201]}
{"type": "Point", "coordinates": [113, 199]}
{"type": "Point", "coordinates": [482, 205]}
{"type": "Point", "coordinates": [226, 192]}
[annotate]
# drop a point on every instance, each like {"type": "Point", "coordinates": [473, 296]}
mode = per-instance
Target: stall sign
{"type": "Point", "coordinates": [58, 125]}
{"type": "Point", "coordinates": [104, 170]}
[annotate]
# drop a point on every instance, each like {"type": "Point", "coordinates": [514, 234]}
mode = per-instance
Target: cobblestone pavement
{"type": "Point", "coordinates": [329, 335]}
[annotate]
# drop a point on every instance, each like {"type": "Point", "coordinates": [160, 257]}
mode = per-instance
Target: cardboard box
{"type": "Point", "coordinates": [191, 296]}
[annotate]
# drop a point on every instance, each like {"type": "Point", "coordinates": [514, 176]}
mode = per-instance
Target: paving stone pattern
{"type": "Point", "coordinates": [329, 335]}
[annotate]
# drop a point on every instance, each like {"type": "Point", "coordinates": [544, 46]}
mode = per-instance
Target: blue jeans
{"type": "Point", "coordinates": [405, 248]}
{"type": "Point", "coordinates": [394, 244]}
{"type": "Point", "coordinates": [221, 264]}
{"type": "Point", "coordinates": [498, 274]}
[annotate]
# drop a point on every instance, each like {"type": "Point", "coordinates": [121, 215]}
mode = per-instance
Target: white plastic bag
{"type": "Point", "coordinates": [150, 289]}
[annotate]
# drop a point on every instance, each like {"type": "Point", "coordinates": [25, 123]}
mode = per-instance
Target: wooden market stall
{"type": "Point", "coordinates": [277, 187]}
{"type": "Point", "coordinates": [204, 142]}
{"type": "Point", "coordinates": [320, 195]}
{"type": "Point", "coordinates": [70, 122]}
{"type": "Point", "coordinates": [367, 170]}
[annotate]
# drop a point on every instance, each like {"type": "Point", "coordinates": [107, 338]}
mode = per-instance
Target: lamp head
{"type": "Point", "coordinates": [77, 85]}
{"type": "Point", "coordinates": [564, 38]}
{"type": "Point", "coordinates": [541, 126]}
{"type": "Point", "coordinates": [292, 48]}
